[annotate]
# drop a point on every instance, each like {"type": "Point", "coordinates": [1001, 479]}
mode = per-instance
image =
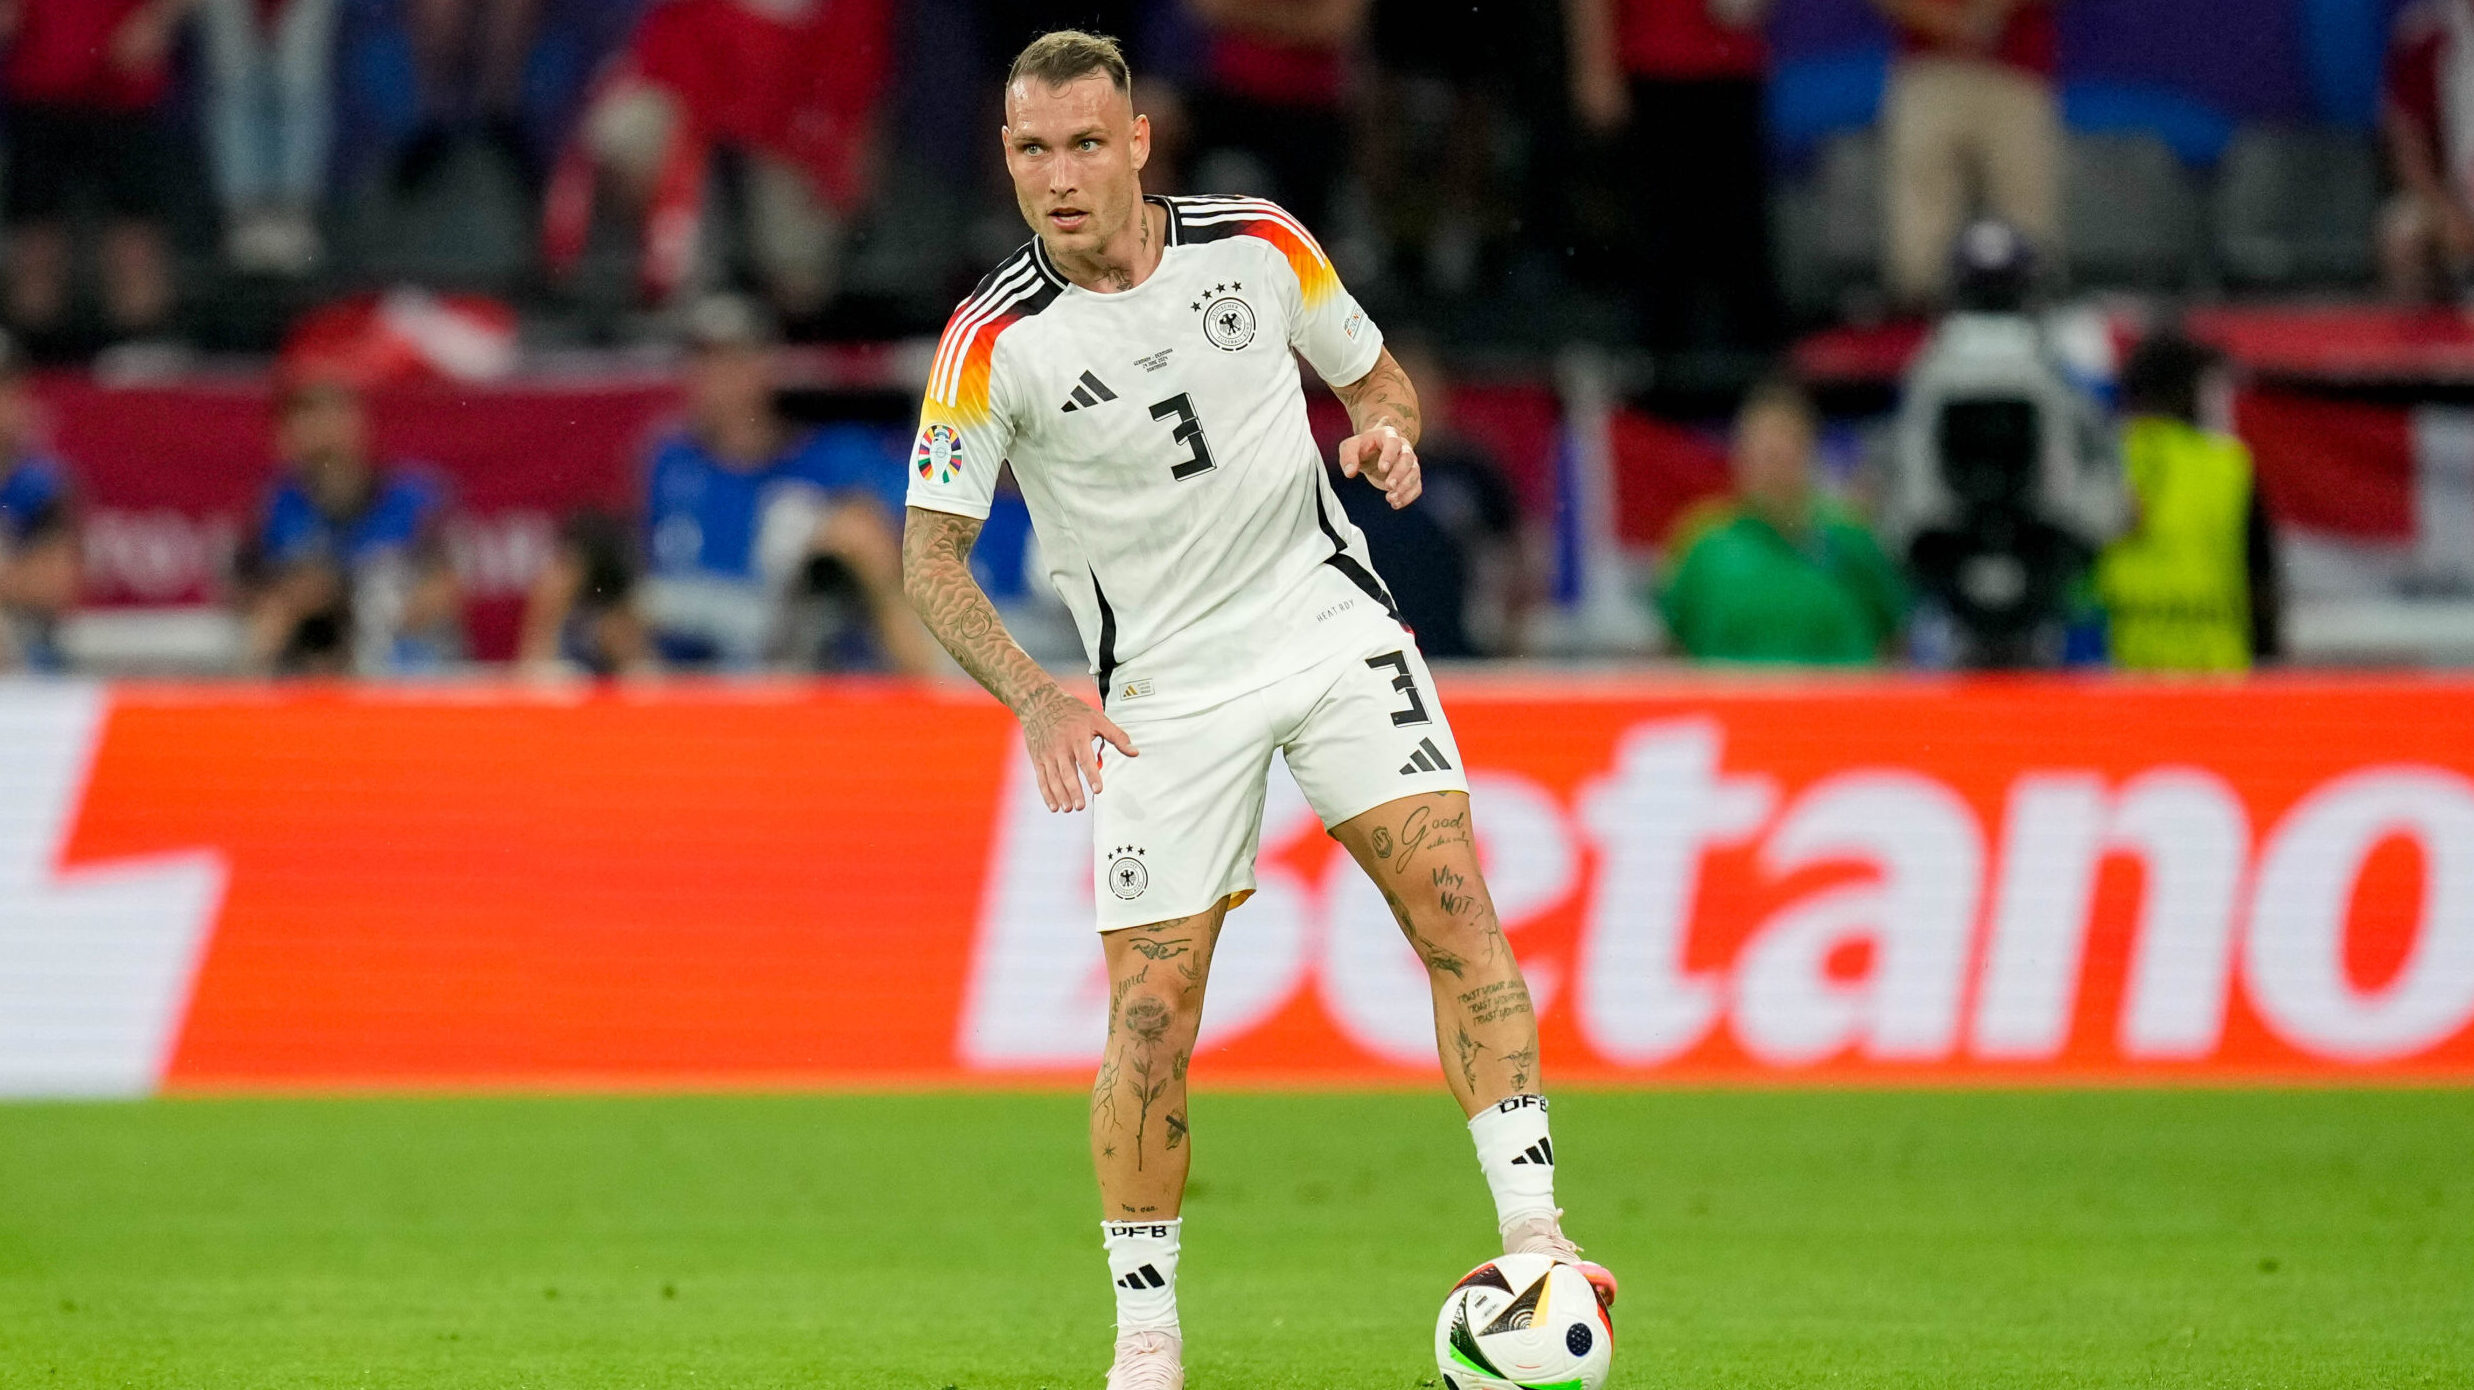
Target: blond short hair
{"type": "Point", "coordinates": [1062, 56]}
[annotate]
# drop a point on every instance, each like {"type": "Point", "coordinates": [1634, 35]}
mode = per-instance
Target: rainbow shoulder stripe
{"type": "Point", "coordinates": [958, 380]}
{"type": "Point", "coordinates": [1212, 218]}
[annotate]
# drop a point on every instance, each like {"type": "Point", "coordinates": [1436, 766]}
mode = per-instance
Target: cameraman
{"type": "Point", "coordinates": [2003, 480]}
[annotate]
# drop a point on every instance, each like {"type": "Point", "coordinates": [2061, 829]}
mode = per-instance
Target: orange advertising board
{"type": "Point", "coordinates": [855, 883]}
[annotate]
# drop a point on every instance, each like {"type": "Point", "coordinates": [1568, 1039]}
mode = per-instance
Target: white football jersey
{"type": "Point", "coordinates": [1159, 436]}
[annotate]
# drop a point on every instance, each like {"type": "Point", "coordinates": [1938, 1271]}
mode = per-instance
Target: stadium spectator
{"type": "Point", "coordinates": [83, 83]}
{"type": "Point", "coordinates": [582, 612]}
{"type": "Point", "coordinates": [763, 542]}
{"type": "Point", "coordinates": [2427, 236]}
{"type": "Point", "coordinates": [1269, 110]}
{"type": "Point", "coordinates": [2193, 585]}
{"type": "Point", "coordinates": [1643, 73]}
{"type": "Point", "coordinates": [470, 57]}
{"type": "Point", "coordinates": [271, 113]}
{"type": "Point", "coordinates": [1779, 573]}
{"type": "Point", "coordinates": [38, 532]}
{"type": "Point", "coordinates": [1971, 105]}
{"type": "Point", "coordinates": [782, 94]}
{"type": "Point", "coordinates": [347, 571]}
{"type": "Point", "coordinates": [1455, 562]}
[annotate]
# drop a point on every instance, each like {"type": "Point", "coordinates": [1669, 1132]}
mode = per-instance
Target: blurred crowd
{"type": "Point", "coordinates": [192, 171]}
{"type": "Point", "coordinates": [727, 174]}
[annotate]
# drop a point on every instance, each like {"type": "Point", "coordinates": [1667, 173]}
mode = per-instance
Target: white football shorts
{"type": "Point", "coordinates": [1176, 829]}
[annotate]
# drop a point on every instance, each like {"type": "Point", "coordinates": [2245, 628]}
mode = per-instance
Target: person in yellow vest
{"type": "Point", "coordinates": [2193, 585]}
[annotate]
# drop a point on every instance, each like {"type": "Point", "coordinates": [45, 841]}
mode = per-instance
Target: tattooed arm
{"type": "Point", "coordinates": [1383, 410]}
{"type": "Point", "coordinates": [1057, 728]}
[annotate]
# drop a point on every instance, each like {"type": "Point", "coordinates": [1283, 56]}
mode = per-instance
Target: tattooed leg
{"type": "Point", "coordinates": [1138, 1112]}
{"type": "Point", "coordinates": [1421, 853]}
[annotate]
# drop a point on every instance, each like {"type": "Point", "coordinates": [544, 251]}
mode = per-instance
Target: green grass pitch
{"type": "Point", "coordinates": [1765, 1238]}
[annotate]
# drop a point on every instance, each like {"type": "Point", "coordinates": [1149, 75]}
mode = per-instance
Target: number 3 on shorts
{"type": "Point", "coordinates": [1406, 684]}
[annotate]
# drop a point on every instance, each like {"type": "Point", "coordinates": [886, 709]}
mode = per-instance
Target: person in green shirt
{"type": "Point", "coordinates": [1777, 572]}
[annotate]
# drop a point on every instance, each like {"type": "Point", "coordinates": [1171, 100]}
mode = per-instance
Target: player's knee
{"type": "Point", "coordinates": [1157, 1011]}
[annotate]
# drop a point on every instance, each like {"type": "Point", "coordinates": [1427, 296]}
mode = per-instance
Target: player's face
{"type": "Point", "coordinates": [1076, 154]}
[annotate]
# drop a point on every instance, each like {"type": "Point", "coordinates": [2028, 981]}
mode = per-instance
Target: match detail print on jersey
{"type": "Point", "coordinates": [1159, 438]}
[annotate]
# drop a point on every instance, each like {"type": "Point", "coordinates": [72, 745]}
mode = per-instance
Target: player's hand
{"type": "Point", "coordinates": [1059, 731]}
{"type": "Point", "coordinates": [1386, 459]}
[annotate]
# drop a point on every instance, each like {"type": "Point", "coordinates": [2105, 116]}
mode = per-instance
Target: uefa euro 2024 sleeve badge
{"type": "Point", "coordinates": [940, 453]}
{"type": "Point", "coordinates": [1228, 321]}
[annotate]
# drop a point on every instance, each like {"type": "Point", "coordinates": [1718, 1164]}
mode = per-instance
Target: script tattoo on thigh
{"type": "Point", "coordinates": [1422, 830]}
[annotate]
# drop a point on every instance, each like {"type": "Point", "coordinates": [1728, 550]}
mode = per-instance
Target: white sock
{"type": "Point", "coordinates": [1142, 1263]}
{"type": "Point", "coordinates": [1517, 1156]}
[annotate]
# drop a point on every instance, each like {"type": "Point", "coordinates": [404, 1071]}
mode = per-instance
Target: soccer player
{"type": "Point", "coordinates": [1134, 363]}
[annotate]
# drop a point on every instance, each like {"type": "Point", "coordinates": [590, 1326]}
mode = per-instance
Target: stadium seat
{"type": "Point", "coordinates": [2296, 208]}
{"type": "Point", "coordinates": [1848, 213]}
{"type": "Point", "coordinates": [468, 229]}
{"type": "Point", "coordinates": [2130, 214]}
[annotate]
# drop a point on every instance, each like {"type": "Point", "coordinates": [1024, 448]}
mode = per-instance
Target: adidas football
{"type": "Point", "coordinates": [1524, 1322]}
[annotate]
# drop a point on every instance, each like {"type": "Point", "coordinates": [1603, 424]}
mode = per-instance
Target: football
{"type": "Point", "coordinates": [1524, 1322]}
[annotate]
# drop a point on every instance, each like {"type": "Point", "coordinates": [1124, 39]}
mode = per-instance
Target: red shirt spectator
{"type": "Point", "coordinates": [66, 53]}
{"type": "Point", "coordinates": [2030, 39]}
{"type": "Point", "coordinates": [796, 80]}
{"type": "Point", "coordinates": [2427, 56]}
{"type": "Point", "coordinates": [1680, 40]}
{"type": "Point", "coordinates": [1277, 73]}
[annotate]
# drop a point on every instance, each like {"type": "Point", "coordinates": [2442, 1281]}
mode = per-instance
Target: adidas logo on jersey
{"type": "Point", "coordinates": [1427, 758]}
{"type": "Point", "coordinates": [1149, 1278]}
{"type": "Point", "coordinates": [1090, 391]}
{"type": "Point", "coordinates": [1541, 1153]}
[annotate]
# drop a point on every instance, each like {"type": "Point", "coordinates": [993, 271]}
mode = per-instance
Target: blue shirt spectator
{"type": "Point", "coordinates": [347, 569]}
{"type": "Point", "coordinates": [704, 514]}
{"type": "Point", "coordinates": [38, 562]}
{"type": "Point", "coordinates": [35, 490]}
{"type": "Point", "coordinates": [765, 541]}
{"type": "Point", "coordinates": [402, 515]}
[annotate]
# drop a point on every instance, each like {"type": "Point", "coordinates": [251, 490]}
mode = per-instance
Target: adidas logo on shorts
{"type": "Point", "coordinates": [1427, 758]}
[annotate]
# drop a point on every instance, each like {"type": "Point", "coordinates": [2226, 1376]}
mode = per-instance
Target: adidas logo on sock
{"type": "Point", "coordinates": [1091, 391]}
{"type": "Point", "coordinates": [1149, 1278]}
{"type": "Point", "coordinates": [1427, 758]}
{"type": "Point", "coordinates": [1541, 1153]}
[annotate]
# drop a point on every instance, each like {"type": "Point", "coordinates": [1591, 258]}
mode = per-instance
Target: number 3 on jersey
{"type": "Point", "coordinates": [1189, 432]}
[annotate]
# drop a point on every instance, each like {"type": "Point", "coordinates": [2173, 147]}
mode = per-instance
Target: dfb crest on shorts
{"type": "Point", "coordinates": [1228, 322]}
{"type": "Point", "coordinates": [1127, 878]}
{"type": "Point", "coordinates": [940, 453]}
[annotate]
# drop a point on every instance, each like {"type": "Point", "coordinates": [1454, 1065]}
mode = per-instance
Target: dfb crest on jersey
{"type": "Point", "coordinates": [1127, 878]}
{"type": "Point", "coordinates": [1229, 323]}
{"type": "Point", "coordinates": [940, 453]}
